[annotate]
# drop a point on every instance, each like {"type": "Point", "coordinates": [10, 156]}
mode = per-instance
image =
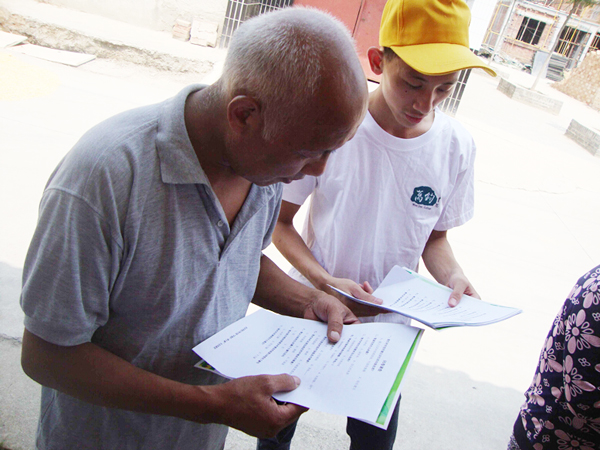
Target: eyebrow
{"type": "Point", "coordinates": [417, 76]}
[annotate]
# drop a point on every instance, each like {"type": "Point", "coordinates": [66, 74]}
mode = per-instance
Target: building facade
{"type": "Point", "coordinates": [524, 29]}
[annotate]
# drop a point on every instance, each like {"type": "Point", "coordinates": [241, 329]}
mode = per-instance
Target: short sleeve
{"type": "Point", "coordinates": [69, 271]}
{"type": "Point", "coordinates": [460, 204]}
{"type": "Point", "coordinates": [298, 191]}
{"type": "Point", "coordinates": [275, 206]}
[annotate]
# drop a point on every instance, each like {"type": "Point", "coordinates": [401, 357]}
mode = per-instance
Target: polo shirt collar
{"type": "Point", "coordinates": [178, 161]}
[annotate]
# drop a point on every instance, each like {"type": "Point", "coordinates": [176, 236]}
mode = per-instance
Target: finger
{"type": "Point", "coordinates": [362, 294]}
{"type": "Point", "coordinates": [335, 321]}
{"type": "Point", "coordinates": [284, 383]}
{"type": "Point", "coordinates": [367, 287]}
{"type": "Point", "coordinates": [473, 293]}
{"type": "Point", "coordinates": [455, 297]}
{"type": "Point", "coordinates": [290, 412]}
{"type": "Point", "coordinates": [351, 319]}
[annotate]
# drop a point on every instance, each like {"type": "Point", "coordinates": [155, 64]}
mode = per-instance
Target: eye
{"type": "Point", "coordinates": [413, 86]}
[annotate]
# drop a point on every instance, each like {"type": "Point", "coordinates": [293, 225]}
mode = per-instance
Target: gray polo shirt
{"type": "Point", "coordinates": [133, 252]}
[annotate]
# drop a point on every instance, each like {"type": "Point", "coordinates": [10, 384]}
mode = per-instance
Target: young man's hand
{"type": "Point", "coordinates": [460, 286]}
{"type": "Point", "coordinates": [362, 291]}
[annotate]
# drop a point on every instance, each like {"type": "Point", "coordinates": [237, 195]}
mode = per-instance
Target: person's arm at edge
{"type": "Point", "coordinates": [276, 291]}
{"type": "Point", "coordinates": [291, 245]}
{"type": "Point", "coordinates": [442, 265]}
{"type": "Point", "coordinates": [97, 376]}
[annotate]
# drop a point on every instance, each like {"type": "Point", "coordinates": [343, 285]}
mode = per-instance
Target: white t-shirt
{"type": "Point", "coordinates": [380, 197]}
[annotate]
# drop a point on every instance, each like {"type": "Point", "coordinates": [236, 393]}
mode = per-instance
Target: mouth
{"type": "Point", "coordinates": [414, 119]}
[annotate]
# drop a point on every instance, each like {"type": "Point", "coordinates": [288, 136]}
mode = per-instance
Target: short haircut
{"type": "Point", "coordinates": [279, 58]}
{"type": "Point", "coordinates": [389, 54]}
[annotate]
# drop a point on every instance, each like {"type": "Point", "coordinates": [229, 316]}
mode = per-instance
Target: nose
{"type": "Point", "coordinates": [316, 167]}
{"type": "Point", "coordinates": [424, 102]}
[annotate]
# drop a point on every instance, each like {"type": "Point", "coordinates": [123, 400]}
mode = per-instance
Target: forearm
{"type": "Point", "coordinates": [276, 291]}
{"type": "Point", "coordinates": [291, 245]}
{"type": "Point", "coordinates": [94, 375]}
{"type": "Point", "coordinates": [439, 258]}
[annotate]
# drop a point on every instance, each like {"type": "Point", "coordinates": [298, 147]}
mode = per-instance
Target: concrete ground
{"type": "Point", "coordinates": [538, 205]}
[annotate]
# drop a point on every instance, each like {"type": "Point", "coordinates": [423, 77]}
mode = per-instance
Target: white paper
{"type": "Point", "coordinates": [353, 378]}
{"type": "Point", "coordinates": [412, 295]}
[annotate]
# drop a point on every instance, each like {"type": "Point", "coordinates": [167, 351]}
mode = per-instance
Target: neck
{"type": "Point", "coordinates": [204, 111]}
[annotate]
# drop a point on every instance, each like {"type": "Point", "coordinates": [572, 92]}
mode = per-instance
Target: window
{"type": "Point", "coordinates": [239, 11]}
{"type": "Point", "coordinates": [530, 31]}
{"type": "Point", "coordinates": [570, 41]}
{"type": "Point", "coordinates": [595, 43]}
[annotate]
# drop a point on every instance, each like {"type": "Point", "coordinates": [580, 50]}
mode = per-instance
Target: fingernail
{"type": "Point", "coordinates": [297, 381]}
{"type": "Point", "coordinates": [335, 336]}
{"type": "Point", "coordinates": [453, 302]}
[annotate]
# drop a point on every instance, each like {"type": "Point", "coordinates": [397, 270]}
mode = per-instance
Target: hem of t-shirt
{"type": "Point", "coordinates": [56, 336]}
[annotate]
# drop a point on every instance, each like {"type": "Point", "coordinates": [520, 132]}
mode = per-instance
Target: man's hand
{"type": "Point", "coordinates": [247, 404]}
{"type": "Point", "coordinates": [327, 308]}
{"type": "Point", "coordinates": [460, 286]}
{"type": "Point", "coordinates": [361, 291]}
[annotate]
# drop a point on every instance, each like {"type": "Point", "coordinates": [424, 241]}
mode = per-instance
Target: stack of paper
{"type": "Point", "coordinates": [360, 376]}
{"type": "Point", "coordinates": [412, 295]}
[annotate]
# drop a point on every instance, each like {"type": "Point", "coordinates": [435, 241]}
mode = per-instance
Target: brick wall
{"type": "Point", "coordinates": [583, 82]}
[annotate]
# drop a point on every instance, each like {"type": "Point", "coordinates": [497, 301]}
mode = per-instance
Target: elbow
{"type": "Point", "coordinates": [32, 360]}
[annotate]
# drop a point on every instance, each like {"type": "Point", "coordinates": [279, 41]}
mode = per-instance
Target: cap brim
{"type": "Point", "coordinates": [440, 59]}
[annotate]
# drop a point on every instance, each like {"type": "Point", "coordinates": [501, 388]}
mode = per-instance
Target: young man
{"type": "Point", "coordinates": [390, 195]}
{"type": "Point", "coordinates": [149, 241]}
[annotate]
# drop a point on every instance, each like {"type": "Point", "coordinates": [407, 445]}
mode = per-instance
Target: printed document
{"type": "Point", "coordinates": [412, 295]}
{"type": "Point", "coordinates": [360, 376]}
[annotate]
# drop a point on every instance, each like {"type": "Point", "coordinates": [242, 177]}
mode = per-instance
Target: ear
{"type": "Point", "coordinates": [375, 56]}
{"type": "Point", "coordinates": [243, 114]}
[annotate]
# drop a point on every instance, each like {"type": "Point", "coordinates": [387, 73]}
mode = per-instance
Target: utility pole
{"type": "Point", "coordinates": [500, 40]}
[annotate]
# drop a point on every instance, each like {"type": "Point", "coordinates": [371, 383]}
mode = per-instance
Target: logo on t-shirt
{"type": "Point", "coordinates": [424, 197]}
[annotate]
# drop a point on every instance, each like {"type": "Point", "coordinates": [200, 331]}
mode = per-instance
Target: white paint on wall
{"type": "Point", "coordinates": [481, 14]}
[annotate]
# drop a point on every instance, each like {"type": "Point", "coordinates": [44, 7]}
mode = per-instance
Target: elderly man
{"type": "Point", "coordinates": [149, 241]}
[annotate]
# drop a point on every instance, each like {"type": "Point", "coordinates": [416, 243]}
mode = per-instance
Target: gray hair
{"type": "Point", "coordinates": [279, 58]}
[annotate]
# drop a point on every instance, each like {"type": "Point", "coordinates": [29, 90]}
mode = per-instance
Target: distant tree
{"type": "Point", "coordinates": [575, 5]}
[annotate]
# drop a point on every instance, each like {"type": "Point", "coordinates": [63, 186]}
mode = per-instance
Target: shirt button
{"type": "Point", "coordinates": [220, 223]}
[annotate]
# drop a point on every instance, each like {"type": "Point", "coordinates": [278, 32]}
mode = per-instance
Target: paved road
{"type": "Point", "coordinates": [538, 205]}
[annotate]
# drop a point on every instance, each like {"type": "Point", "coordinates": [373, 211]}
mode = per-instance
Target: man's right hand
{"type": "Point", "coordinates": [361, 291]}
{"type": "Point", "coordinates": [247, 404]}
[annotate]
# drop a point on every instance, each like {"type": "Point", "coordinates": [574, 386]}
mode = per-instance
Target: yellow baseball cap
{"type": "Point", "coordinates": [431, 36]}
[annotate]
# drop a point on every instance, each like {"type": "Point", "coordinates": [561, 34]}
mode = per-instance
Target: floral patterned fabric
{"type": "Point", "coordinates": [562, 408]}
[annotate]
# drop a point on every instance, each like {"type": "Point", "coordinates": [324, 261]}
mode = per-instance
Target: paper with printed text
{"type": "Point", "coordinates": [360, 376]}
{"type": "Point", "coordinates": [412, 295]}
